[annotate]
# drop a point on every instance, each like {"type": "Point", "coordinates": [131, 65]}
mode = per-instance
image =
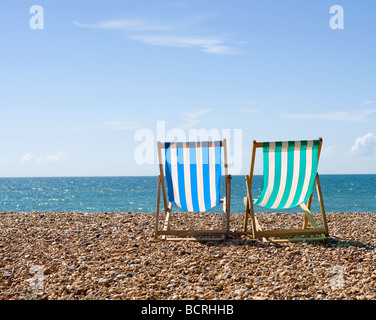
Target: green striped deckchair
{"type": "Point", "coordinates": [289, 175]}
{"type": "Point", "coordinates": [191, 173]}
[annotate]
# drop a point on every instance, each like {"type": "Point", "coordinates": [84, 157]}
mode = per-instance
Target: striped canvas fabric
{"type": "Point", "coordinates": [193, 174]}
{"type": "Point", "coordinates": [289, 173]}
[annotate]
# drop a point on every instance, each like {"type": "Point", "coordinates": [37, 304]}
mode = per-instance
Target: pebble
{"type": "Point", "coordinates": [104, 281]}
{"type": "Point", "coordinates": [325, 264]}
{"type": "Point", "coordinates": [200, 290]}
{"type": "Point", "coordinates": [114, 255]}
{"type": "Point", "coordinates": [121, 276]}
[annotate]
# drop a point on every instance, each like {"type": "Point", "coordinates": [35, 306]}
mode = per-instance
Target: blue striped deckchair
{"type": "Point", "coordinates": [289, 175]}
{"type": "Point", "coordinates": [192, 173]}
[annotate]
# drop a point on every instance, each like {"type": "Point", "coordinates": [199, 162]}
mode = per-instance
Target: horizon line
{"type": "Point", "coordinates": [141, 176]}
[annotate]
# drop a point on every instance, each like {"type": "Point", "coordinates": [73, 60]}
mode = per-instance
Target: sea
{"type": "Point", "coordinates": [341, 193]}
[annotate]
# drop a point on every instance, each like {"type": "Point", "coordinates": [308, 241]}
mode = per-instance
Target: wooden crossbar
{"type": "Point", "coordinates": [198, 144]}
{"type": "Point", "coordinates": [311, 238]}
{"type": "Point", "coordinates": [289, 232]}
{"type": "Point", "coordinates": [192, 233]}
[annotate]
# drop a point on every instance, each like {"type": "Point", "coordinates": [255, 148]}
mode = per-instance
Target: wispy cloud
{"type": "Point", "coordinates": [208, 45]}
{"type": "Point", "coordinates": [364, 146]}
{"type": "Point", "coordinates": [26, 158]}
{"type": "Point", "coordinates": [52, 158]}
{"type": "Point", "coordinates": [168, 35]}
{"type": "Point", "coordinates": [192, 118]}
{"type": "Point", "coordinates": [351, 116]}
{"type": "Point", "coordinates": [127, 25]}
{"type": "Point", "coordinates": [368, 102]}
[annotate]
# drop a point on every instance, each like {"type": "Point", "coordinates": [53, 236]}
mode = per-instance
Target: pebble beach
{"type": "Point", "coordinates": [114, 255]}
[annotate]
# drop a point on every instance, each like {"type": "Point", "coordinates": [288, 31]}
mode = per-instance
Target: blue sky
{"type": "Point", "coordinates": [74, 94]}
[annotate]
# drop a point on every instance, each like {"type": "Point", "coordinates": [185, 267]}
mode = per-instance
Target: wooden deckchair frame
{"type": "Point", "coordinates": [316, 233]}
{"type": "Point", "coordinates": [194, 235]}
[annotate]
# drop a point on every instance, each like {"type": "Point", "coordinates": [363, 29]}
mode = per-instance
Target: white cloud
{"type": "Point", "coordinates": [26, 158]}
{"type": "Point", "coordinates": [127, 25]}
{"type": "Point", "coordinates": [368, 102]}
{"type": "Point", "coordinates": [208, 45]}
{"type": "Point", "coordinates": [146, 33]}
{"type": "Point", "coordinates": [364, 146]}
{"type": "Point", "coordinates": [56, 157]}
{"type": "Point", "coordinates": [352, 116]}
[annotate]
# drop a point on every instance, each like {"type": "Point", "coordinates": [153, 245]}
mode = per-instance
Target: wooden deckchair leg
{"type": "Point", "coordinates": [168, 216]}
{"type": "Point", "coordinates": [250, 208]}
{"type": "Point", "coordinates": [227, 198]}
{"type": "Point", "coordinates": [246, 215]}
{"type": "Point", "coordinates": [254, 220]}
{"type": "Point", "coordinates": [224, 213]}
{"type": "Point", "coordinates": [321, 203]}
{"type": "Point", "coordinates": [226, 206]}
{"type": "Point", "coordinates": [161, 174]}
{"type": "Point", "coordinates": [228, 203]}
{"type": "Point", "coordinates": [166, 225]}
{"type": "Point", "coordinates": [158, 207]}
{"type": "Point", "coordinates": [305, 222]}
{"type": "Point", "coordinates": [249, 203]}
